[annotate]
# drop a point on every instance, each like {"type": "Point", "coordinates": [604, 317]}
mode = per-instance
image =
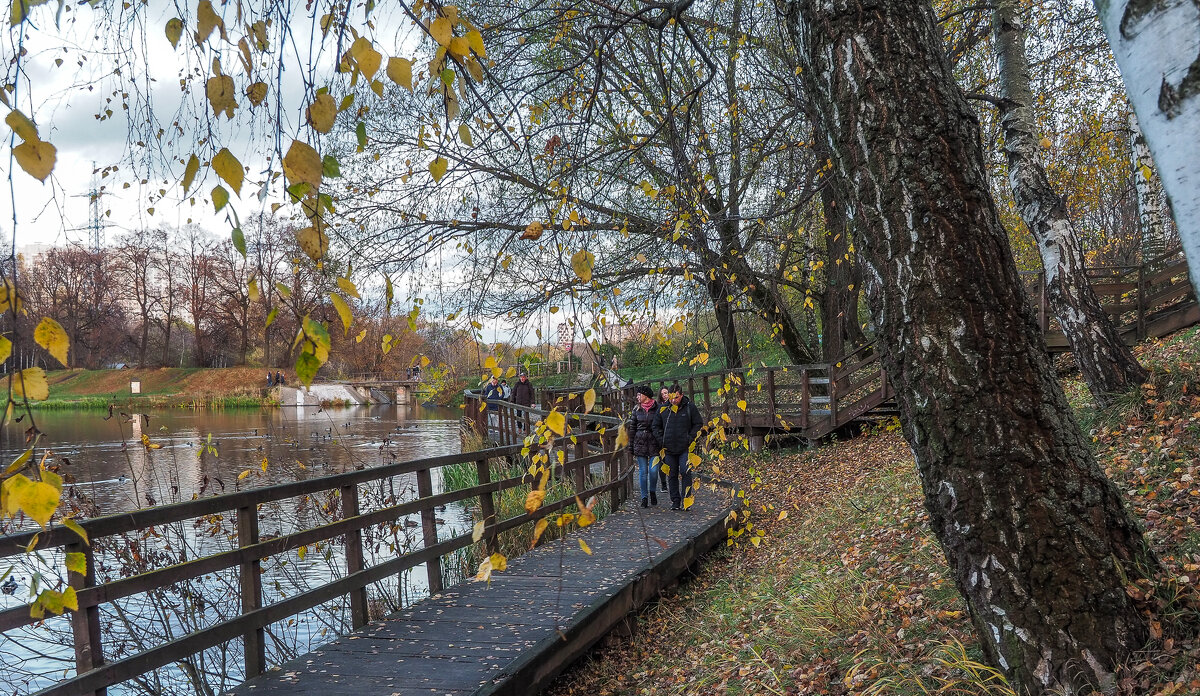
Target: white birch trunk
{"type": "Point", "coordinates": [1149, 194]}
{"type": "Point", "coordinates": [1157, 47]}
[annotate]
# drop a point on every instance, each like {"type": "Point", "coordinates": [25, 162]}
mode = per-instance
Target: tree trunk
{"type": "Point", "coordinates": [1107, 364]}
{"type": "Point", "coordinates": [1037, 537]}
{"type": "Point", "coordinates": [1157, 47]}
{"type": "Point", "coordinates": [1149, 194]}
{"type": "Point", "coordinates": [724, 314]}
{"type": "Point", "coordinates": [840, 329]}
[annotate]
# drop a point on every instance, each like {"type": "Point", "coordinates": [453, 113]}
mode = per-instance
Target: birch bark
{"type": "Point", "coordinates": [1107, 364]}
{"type": "Point", "coordinates": [1157, 47]}
{"type": "Point", "coordinates": [1149, 194]}
{"type": "Point", "coordinates": [1037, 537]}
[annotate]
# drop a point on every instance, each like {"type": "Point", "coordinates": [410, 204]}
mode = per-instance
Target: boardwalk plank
{"type": "Point", "coordinates": [507, 636]}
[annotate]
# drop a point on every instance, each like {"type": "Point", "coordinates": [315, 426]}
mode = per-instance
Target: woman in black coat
{"type": "Point", "coordinates": [640, 428]}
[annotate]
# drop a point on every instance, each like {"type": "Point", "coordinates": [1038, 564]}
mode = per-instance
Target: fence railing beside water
{"type": "Point", "coordinates": [583, 451]}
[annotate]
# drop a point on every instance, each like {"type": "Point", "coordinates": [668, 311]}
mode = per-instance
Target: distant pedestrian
{"type": "Point", "coordinates": [677, 424]}
{"type": "Point", "coordinates": [270, 380]}
{"type": "Point", "coordinates": [644, 443]}
{"type": "Point", "coordinates": [279, 378]}
{"type": "Point", "coordinates": [662, 401]}
{"type": "Point", "coordinates": [505, 390]}
{"type": "Point", "coordinates": [522, 393]}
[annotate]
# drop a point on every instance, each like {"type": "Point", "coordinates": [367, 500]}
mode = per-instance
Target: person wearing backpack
{"type": "Point", "coordinates": [676, 425]}
{"type": "Point", "coordinates": [644, 443]}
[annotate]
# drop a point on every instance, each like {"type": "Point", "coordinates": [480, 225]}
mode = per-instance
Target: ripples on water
{"type": "Point", "coordinates": [204, 453]}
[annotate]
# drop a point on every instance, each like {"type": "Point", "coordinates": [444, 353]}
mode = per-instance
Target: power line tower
{"type": "Point", "coordinates": [96, 223]}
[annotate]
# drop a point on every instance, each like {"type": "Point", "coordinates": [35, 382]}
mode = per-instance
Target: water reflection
{"type": "Point", "coordinates": [109, 470]}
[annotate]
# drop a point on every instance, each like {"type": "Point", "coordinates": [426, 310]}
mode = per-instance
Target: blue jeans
{"type": "Point", "coordinates": [679, 476]}
{"type": "Point", "coordinates": [647, 474]}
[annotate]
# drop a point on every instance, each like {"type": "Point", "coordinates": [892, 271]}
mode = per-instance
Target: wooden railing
{"type": "Point", "coordinates": [94, 672]}
{"type": "Point", "coordinates": [1131, 295]}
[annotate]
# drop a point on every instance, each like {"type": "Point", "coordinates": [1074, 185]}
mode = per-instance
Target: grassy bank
{"type": "Point", "coordinates": [849, 593]}
{"type": "Point", "coordinates": [208, 388]}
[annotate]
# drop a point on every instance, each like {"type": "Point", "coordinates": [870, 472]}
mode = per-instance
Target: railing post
{"type": "Point", "coordinates": [487, 505]}
{"type": "Point", "coordinates": [707, 400]}
{"type": "Point", "coordinates": [354, 557]}
{"type": "Point", "coordinates": [433, 567]}
{"type": "Point", "coordinates": [804, 392]}
{"type": "Point", "coordinates": [833, 394]}
{"type": "Point", "coordinates": [85, 623]}
{"type": "Point", "coordinates": [771, 396]}
{"type": "Point", "coordinates": [253, 645]}
{"type": "Point", "coordinates": [1043, 321]}
{"type": "Point", "coordinates": [579, 471]}
{"type": "Point", "coordinates": [613, 464]}
{"type": "Point", "coordinates": [1141, 302]}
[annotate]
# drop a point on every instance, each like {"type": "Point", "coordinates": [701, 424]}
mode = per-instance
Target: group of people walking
{"type": "Point", "coordinates": [662, 433]}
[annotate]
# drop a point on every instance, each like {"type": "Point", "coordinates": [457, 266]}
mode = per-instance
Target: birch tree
{"type": "Point", "coordinates": [1157, 47]}
{"type": "Point", "coordinates": [1149, 193]}
{"type": "Point", "coordinates": [1107, 364]}
{"type": "Point", "coordinates": [1037, 537]}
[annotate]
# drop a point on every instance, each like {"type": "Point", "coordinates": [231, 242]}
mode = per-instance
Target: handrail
{"type": "Point", "coordinates": [94, 675]}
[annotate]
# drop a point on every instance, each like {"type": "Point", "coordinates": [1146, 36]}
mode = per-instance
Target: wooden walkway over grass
{"type": "Point", "coordinates": [514, 634]}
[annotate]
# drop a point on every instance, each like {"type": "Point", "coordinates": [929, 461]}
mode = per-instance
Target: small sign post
{"type": "Point", "coordinates": [135, 386]}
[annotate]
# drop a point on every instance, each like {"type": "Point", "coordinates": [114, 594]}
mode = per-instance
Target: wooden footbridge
{"type": "Point", "coordinates": [373, 528]}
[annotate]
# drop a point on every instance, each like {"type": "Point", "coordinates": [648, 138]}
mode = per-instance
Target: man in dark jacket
{"type": "Point", "coordinates": [522, 394]}
{"type": "Point", "coordinates": [643, 442]}
{"type": "Point", "coordinates": [676, 426]}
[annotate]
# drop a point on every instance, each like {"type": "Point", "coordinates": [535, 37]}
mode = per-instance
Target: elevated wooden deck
{"type": "Point", "coordinates": [515, 634]}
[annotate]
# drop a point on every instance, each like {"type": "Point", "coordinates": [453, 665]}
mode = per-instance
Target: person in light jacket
{"type": "Point", "coordinates": [676, 426]}
{"type": "Point", "coordinates": [644, 443]}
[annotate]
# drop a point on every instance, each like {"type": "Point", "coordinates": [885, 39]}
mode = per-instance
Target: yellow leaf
{"type": "Point", "coordinates": [264, 464]}
{"type": "Point", "coordinates": [21, 125]}
{"type": "Point", "coordinates": [302, 164]}
{"type": "Point", "coordinates": [189, 172]}
{"type": "Point", "coordinates": [36, 157]}
{"type": "Point", "coordinates": [485, 571]}
{"type": "Point", "coordinates": [499, 562]}
{"type": "Point", "coordinates": [678, 326]}
{"type": "Point", "coordinates": [782, 515]}
{"type": "Point", "coordinates": [400, 72]}
{"type": "Point", "coordinates": [343, 311]}
{"type": "Point", "coordinates": [20, 10]}
{"type": "Point", "coordinates": [477, 531]}
{"type": "Point", "coordinates": [586, 549]}
{"type": "Point", "coordinates": [244, 474]}
{"type": "Point", "coordinates": [256, 93]}
{"type": "Point", "coordinates": [174, 31]}
{"type": "Point", "coordinates": [464, 134]}
{"type": "Point", "coordinates": [756, 541]}
{"type": "Point", "coordinates": [742, 404]}
{"type": "Point", "coordinates": [313, 242]}
{"type": "Point", "coordinates": [1045, 143]}
{"type": "Point", "coordinates": [31, 383]}
{"type": "Point", "coordinates": [220, 92]}
{"type": "Point", "coordinates": [424, 361]}
{"type": "Point", "coordinates": [442, 31]}
{"type": "Point", "coordinates": [589, 400]}
{"type": "Point", "coordinates": [475, 40]}
{"type": "Point", "coordinates": [37, 499]}
{"type": "Point", "coordinates": [76, 563]}
{"type": "Point", "coordinates": [322, 112]}
{"type": "Point", "coordinates": [252, 290]}
{"type": "Point", "coordinates": [207, 20]}
{"type": "Point", "coordinates": [622, 437]}
{"type": "Point", "coordinates": [72, 525]}
{"type": "Point", "coordinates": [533, 500]}
{"type": "Point", "coordinates": [220, 198]}
{"type": "Point", "coordinates": [693, 460]}
{"type": "Point", "coordinates": [582, 262]}
{"type": "Point", "coordinates": [365, 56]}
{"type": "Point", "coordinates": [533, 230]}
{"type": "Point", "coordinates": [538, 530]}
{"type": "Point", "coordinates": [348, 287]}
{"type": "Point", "coordinates": [50, 335]}
{"type": "Point", "coordinates": [438, 168]}
{"type": "Point", "coordinates": [586, 516]}
{"type": "Point", "coordinates": [5, 348]}
{"type": "Point", "coordinates": [556, 422]}
{"type": "Point", "coordinates": [229, 168]}
{"type": "Point", "coordinates": [361, 335]}
{"type": "Point", "coordinates": [70, 599]}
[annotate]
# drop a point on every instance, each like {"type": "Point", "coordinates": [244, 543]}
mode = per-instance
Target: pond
{"type": "Point", "coordinates": [108, 468]}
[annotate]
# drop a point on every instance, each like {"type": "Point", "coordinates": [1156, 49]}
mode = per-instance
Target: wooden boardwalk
{"type": "Point", "coordinates": [514, 635]}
